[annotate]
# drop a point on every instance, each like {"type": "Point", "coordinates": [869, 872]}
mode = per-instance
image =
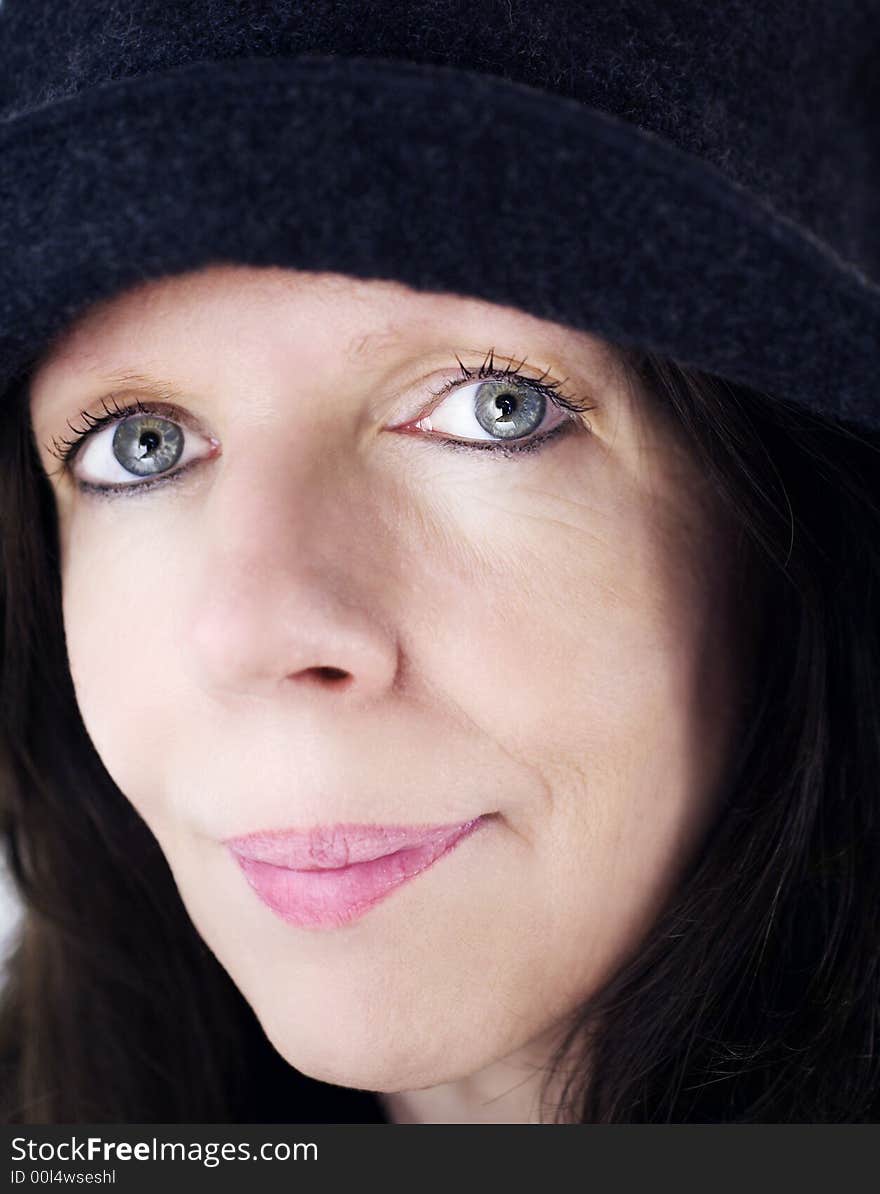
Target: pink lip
{"type": "Point", "coordinates": [328, 876]}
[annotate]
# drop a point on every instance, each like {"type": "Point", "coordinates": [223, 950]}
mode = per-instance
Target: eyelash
{"type": "Point", "coordinates": [65, 449]}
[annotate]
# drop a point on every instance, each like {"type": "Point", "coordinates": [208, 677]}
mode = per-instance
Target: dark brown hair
{"type": "Point", "coordinates": [754, 996]}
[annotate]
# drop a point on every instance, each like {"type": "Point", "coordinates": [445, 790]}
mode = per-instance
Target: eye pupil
{"type": "Point", "coordinates": [150, 442]}
{"type": "Point", "coordinates": [505, 405]}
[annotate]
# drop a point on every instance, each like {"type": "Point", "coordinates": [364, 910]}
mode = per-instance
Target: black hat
{"type": "Point", "coordinates": [701, 180]}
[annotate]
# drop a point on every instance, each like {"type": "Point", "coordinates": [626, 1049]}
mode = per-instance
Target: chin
{"type": "Point", "coordinates": [367, 1060]}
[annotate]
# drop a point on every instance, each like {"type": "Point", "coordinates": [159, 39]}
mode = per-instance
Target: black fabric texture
{"type": "Point", "coordinates": [700, 180]}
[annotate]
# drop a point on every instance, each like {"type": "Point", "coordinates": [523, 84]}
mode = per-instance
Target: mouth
{"type": "Point", "coordinates": [333, 874]}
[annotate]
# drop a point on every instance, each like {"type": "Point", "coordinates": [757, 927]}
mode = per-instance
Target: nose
{"type": "Point", "coordinates": [291, 584]}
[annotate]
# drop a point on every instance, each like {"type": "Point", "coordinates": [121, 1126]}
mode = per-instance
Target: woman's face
{"type": "Point", "coordinates": [331, 617]}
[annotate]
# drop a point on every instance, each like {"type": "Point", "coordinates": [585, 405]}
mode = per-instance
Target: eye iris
{"type": "Point", "coordinates": [146, 444]}
{"type": "Point", "coordinates": [509, 410]}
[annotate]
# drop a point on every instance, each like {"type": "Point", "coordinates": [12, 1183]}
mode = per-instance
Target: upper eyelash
{"type": "Point", "coordinates": [65, 449]}
{"type": "Point", "coordinates": [550, 389]}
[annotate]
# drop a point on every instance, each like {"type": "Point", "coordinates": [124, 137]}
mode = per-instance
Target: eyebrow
{"type": "Point", "coordinates": [156, 387]}
{"type": "Point", "coordinates": [159, 388]}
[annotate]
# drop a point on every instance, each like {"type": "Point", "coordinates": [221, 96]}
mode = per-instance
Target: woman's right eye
{"type": "Point", "coordinates": [131, 450]}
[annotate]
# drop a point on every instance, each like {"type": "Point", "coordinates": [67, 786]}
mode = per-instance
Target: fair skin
{"type": "Point", "coordinates": [545, 638]}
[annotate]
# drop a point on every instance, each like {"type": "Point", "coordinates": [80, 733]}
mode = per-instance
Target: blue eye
{"type": "Point", "coordinates": [506, 409]}
{"type": "Point", "coordinates": [120, 446]}
{"type": "Point", "coordinates": [147, 444]}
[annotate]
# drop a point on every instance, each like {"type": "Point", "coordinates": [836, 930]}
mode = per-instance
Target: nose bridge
{"type": "Point", "coordinates": [289, 574]}
{"type": "Point", "coordinates": [288, 508]}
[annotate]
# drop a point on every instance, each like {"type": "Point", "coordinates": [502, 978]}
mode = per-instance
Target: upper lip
{"type": "Point", "coordinates": [329, 847]}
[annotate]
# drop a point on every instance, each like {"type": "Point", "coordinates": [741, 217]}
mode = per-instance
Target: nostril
{"type": "Point", "coordinates": [331, 673]}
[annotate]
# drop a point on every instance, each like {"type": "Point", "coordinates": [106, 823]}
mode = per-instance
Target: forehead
{"type": "Point", "coordinates": [275, 312]}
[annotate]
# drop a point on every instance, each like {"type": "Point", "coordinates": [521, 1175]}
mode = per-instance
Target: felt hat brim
{"type": "Point", "coordinates": [439, 178]}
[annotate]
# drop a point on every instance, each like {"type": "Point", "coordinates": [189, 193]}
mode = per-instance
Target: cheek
{"type": "Point", "coordinates": [121, 657]}
{"type": "Point", "coordinates": [595, 655]}
{"type": "Point", "coordinates": [595, 649]}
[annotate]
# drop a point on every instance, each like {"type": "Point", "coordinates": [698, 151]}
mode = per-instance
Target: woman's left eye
{"type": "Point", "coordinates": [501, 413]}
{"type": "Point", "coordinates": [133, 449]}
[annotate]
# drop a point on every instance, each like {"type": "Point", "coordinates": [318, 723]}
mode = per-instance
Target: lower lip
{"type": "Point", "coordinates": [322, 899]}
